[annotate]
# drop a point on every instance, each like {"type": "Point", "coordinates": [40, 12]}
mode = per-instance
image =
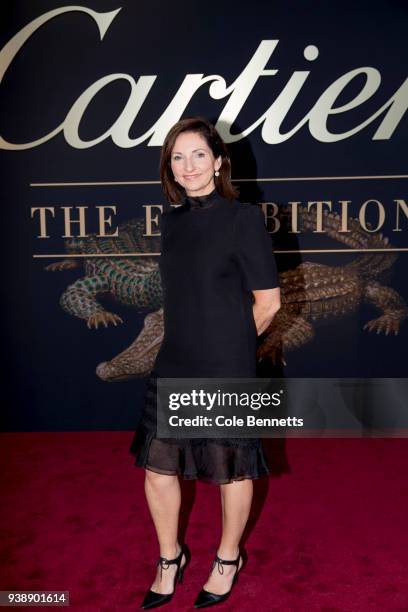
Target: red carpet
{"type": "Point", "coordinates": [328, 531]}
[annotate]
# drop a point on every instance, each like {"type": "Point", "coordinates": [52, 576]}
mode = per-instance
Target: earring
{"type": "Point", "coordinates": [217, 173]}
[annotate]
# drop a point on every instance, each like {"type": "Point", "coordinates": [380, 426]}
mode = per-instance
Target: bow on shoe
{"type": "Point", "coordinates": [164, 564]}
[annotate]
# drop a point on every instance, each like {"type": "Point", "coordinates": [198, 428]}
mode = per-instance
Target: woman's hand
{"type": "Point", "coordinates": [266, 305]}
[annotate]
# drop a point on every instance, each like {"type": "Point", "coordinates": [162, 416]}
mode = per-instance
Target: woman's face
{"type": "Point", "coordinates": [193, 164]}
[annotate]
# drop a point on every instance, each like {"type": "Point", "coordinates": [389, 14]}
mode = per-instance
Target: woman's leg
{"type": "Point", "coordinates": [164, 498]}
{"type": "Point", "coordinates": [236, 499]}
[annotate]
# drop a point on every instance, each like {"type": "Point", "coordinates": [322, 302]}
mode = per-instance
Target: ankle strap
{"type": "Point", "coordinates": [166, 562]}
{"type": "Point", "coordinates": [220, 562]}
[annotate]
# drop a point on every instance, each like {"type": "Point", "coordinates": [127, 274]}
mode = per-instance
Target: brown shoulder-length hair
{"type": "Point", "coordinates": [175, 192]}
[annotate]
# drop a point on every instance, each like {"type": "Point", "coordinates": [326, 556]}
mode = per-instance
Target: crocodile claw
{"type": "Point", "coordinates": [103, 318]}
{"type": "Point", "coordinates": [272, 352]}
{"type": "Point", "coordinates": [384, 324]}
{"type": "Point", "coordinates": [66, 264]}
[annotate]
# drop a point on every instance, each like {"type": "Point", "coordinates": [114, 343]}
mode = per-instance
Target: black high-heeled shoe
{"type": "Point", "coordinates": [153, 599]}
{"type": "Point", "coordinates": [205, 598]}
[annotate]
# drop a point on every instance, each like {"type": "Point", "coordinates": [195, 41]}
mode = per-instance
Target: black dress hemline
{"type": "Point", "coordinates": [140, 448]}
{"type": "Point", "coordinates": [212, 460]}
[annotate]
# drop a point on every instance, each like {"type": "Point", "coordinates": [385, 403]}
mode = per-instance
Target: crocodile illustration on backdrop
{"type": "Point", "coordinates": [309, 292]}
{"type": "Point", "coordinates": [134, 281]}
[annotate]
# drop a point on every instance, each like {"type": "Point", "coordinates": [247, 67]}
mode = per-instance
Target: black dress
{"type": "Point", "coordinates": [214, 252]}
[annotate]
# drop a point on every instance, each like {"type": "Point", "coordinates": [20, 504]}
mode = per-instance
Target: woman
{"type": "Point", "coordinates": [221, 290]}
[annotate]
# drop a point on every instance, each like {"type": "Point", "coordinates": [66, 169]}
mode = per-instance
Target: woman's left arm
{"type": "Point", "coordinates": [266, 305]}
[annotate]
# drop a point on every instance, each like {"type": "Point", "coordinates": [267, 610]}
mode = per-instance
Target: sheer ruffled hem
{"type": "Point", "coordinates": [214, 461]}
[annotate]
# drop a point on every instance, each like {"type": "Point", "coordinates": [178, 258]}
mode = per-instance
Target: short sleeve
{"type": "Point", "coordinates": [253, 249]}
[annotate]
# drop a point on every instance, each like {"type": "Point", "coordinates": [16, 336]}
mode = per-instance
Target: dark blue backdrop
{"type": "Point", "coordinates": [50, 381]}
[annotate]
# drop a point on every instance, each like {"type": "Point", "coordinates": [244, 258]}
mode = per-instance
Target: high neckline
{"type": "Point", "coordinates": [201, 202]}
